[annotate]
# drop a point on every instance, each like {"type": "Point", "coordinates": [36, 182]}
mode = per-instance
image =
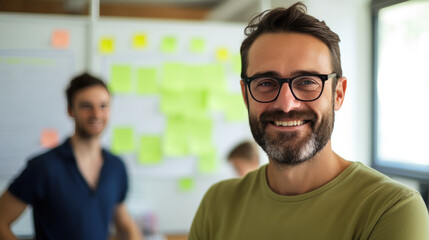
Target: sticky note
{"type": "Point", "coordinates": [175, 143]}
{"type": "Point", "coordinates": [150, 150]}
{"type": "Point", "coordinates": [207, 162]}
{"type": "Point", "coordinates": [120, 79]}
{"type": "Point", "coordinates": [106, 45]}
{"type": "Point", "coordinates": [235, 109]}
{"type": "Point", "coordinates": [139, 41]}
{"type": "Point", "coordinates": [60, 39]}
{"type": "Point", "coordinates": [186, 184]}
{"type": "Point", "coordinates": [49, 138]}
{"type": "Point", "coordinates": [147, 80]}
{"type": "Point", "coordinates": [236, 63]}
{"type": "Point", "coordinates": [173, 76]}
{"type": "Point", "coordinates": [200, 135]}
{"type": "Point", "coordinates": [122, 140]}
{"type": "Point", "coordinates": [169, 44]}
{"type": "Point", "coordinates": [197, 45]}
{"type": "Point", "coordinates": [222, 54]}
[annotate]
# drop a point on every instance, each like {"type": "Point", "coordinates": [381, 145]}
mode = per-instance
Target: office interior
{"type": "Point", "coordinates": [113, 38]}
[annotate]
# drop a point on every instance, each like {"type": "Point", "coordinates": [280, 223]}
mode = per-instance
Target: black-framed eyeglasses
{"type": "Point", "coordinates": [304, 88]}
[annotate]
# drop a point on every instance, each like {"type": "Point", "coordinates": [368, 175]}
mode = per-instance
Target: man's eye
{"type": "Point", "coordinates": [266, 82]}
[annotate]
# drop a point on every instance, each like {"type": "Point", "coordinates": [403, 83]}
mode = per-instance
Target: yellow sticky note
{"type": "Point", "coordinates": [197, 45]}
{"type": "Point", "coordinates": [120, 79]}
{"type": "Point", "coordinates": [60, 39]}
{"type": "Point", "coordinates": [49, 138]}
{"type": "Point", "coordinates": [106, 45]}
{"type": "Point", "coordinates": [139, 41]}
{"type": "Point", "coordinates": [186, 184]}
{"type": "Point", "coordinates": [222, 54]}
{"type": "Point", "coordinates": [150, 150]}
{"type": "Point", "coordinates": [169, 44]}
{"type": "Point", "coordinates": [123, 140]}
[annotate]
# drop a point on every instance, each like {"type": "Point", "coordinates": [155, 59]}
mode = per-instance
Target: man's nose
{"type": "Point", "coordinates": [286, 101]}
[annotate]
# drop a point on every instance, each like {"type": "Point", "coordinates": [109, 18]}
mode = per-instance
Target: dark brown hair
{"type": "Point", "coordinates": [80, 82]}
{"type": "Point", "coordinates": [292, 19]}
{"type": "Point", "coordinates": [246, 150]}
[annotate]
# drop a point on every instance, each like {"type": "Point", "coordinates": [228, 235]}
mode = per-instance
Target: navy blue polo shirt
{"type": "Point", "coordinates": [64, 206]}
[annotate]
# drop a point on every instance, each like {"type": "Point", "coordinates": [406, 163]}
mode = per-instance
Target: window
{"type": "Point", "coordinates": [401, 88]}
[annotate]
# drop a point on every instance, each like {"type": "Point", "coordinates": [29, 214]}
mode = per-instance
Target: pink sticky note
{"type": "Point", "coordinates": [49, 138]}
{"type": "Point", "coordinates": [60, 38]}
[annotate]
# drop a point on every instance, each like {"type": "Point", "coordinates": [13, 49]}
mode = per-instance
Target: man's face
{"type": "Point", "coordinates": [90, 111]}
{"type": "Point", "coordinates": [291, 131]}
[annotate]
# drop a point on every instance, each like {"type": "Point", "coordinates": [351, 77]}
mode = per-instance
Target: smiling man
{"type": "Point", "coordinates": [292, 84]}
{"type": "Point", "coordinates": [76, 189]}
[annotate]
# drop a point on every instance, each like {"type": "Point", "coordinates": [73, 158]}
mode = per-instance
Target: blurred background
{"type": "Point", "coordinates": [173, 67]}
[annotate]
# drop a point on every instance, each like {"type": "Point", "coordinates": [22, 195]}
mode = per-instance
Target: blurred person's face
{"type": "Point", "coordinates": [90, 111]}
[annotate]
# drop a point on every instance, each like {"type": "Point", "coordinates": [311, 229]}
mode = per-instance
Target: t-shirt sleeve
{"type": "Point", "coordinates": [124, 182]}
{"type": "Point", "coordinates": [28, 182]}
{"type": "Point", "coordinates": [407, 219]}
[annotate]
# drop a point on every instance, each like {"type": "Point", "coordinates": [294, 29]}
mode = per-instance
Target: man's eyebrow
{"type": "Point", "coordinates": [266, 74]}
{"type": "Point", "coordinates": [277, 75]}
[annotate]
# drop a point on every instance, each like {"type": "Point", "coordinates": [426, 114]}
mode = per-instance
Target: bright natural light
{"type": "Point", "coordinates": [403, 83]}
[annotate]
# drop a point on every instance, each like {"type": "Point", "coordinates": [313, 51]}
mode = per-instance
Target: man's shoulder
{"type": "Point", "coordinates": [374, 183]}
{"type": "Point", "coordinates": [235, 186]}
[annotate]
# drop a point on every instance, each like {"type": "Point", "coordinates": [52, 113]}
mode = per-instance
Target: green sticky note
{"type": "Point", "coordinates": [171, 103]}
{"type": "Point", "coordinates": [236, 63]}
{"type": "Point", "coordinates": [197, 45]}
{"type": "Point", "coordinates": [207, 162]}
{"type": "Point", "coordinates": [150, 150]}
{"type": "Point", "coordinates": [186, 184]}
{"type": "Point", "coordinates": [235, 109]}
{"type": "Point", "coordinates": [169, 44]}
{"type": "Point", "coordinates": [175, 143]}
{"type": "Point", "coordinates": [146, 81]}
{"type": "Point", "coordinates": [120, 79]}
{"type": "Point", "coordinates": [173, 76]}
{"type": "Point", "coordinates": [193, 103]}
{"type": "Point", "coordinates": [214, 77]}
{"type": "Point", "coordinates": [122, 140]}
{"type": "Point", "coordinates": [199, 135]}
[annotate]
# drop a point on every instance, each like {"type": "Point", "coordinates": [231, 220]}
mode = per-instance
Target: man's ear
{"type": "Point", "coordinates": [244, 93]}
{"type": "Point", "coordinates": [70, 111]}
{"type": "Point", "coordinates": [340, 93]}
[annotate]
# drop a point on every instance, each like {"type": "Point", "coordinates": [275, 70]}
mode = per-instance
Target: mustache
{"type": "Point", "coordinates": [275, 114]}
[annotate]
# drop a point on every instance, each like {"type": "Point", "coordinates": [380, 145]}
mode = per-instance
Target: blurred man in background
{"type": "Point", "coordinates": [78, 188]}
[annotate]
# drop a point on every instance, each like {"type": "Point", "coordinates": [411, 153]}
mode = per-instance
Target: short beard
{"type": "Point", "coordinates": [279, 148]}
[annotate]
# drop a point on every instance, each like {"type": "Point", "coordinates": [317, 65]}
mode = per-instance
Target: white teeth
{"type": "Point", "coordinates": [289, 124]}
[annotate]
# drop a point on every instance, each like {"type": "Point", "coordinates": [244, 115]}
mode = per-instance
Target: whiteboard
{"type": "Point", "coordinates": [33, 76]}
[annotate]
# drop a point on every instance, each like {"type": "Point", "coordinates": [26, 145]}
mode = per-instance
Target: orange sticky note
{"type": "Point", "coordinates": [49, 138]}
{"type": "Point", "coordinates": [60, 38]}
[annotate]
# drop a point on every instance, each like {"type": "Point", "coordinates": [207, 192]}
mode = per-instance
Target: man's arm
{"type": "Point", "coordinates": [10, 208]}
{"type": "Point", "coordinates": [407, 219]}
{"type": "Point", "coordinates": [125, 225]}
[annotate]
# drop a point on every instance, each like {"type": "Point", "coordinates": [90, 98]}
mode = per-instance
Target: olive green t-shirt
{"type": "Point", "coordinates": [360, 203]}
